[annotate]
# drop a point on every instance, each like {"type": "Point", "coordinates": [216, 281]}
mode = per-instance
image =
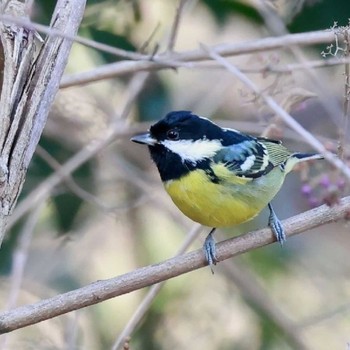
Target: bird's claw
{"type": "Point", "coordinates": [276, 226]}
{"type": "Point", "coordinates": [210, 251]}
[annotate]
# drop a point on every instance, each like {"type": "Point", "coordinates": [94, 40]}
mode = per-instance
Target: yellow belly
{"type": "Point", "coordinates": [233, 201]}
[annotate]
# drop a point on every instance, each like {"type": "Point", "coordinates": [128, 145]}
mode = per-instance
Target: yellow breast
{"type": "Point", "coordinates": [231, 201]}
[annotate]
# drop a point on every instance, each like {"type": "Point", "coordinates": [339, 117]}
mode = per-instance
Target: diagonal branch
{"type": "Point", "coordinates": [102, 290]}
{"type": "Point", "coordinates": [263, 304]}
{"type": "Point", "coordinates": [147, 301]}
{"type": "Point", "coordinates": [287, 118]}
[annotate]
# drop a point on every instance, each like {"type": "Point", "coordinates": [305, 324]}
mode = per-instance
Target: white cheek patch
{"type": "Point", "coordinates": [193, 151]}
{"type": "Point", "coordinates": [248, 163]}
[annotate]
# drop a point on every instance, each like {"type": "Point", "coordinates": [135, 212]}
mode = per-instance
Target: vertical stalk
{"type": "Point", "coordinates": [345, 122]}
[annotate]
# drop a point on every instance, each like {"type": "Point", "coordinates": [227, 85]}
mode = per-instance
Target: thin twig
{"type": "Point", "coordinates": [149, 275]}
{"type": "Point", "coordinates": [257, 296]}
{"type": "Point", "coordinates": [72, 332]}
{"type": "Point", "coordinates": [27, 23]}
{"type": "Point", "coordinates": [147, 42]}
{"type": "Point", "coordinates": [175, 26]}
{"type": "Point", "coordinates": [147, 301]}
{"type": "Point", "coordinates": [291, 67]}
{"type": "Point", "coordinates": [19, 261]}
{"type": "Point", "coordinates": [21, 254]}
{"type": "Point", "coordinates": [325, 316]}
{"type": "Point", "coordinates": [69, 181]}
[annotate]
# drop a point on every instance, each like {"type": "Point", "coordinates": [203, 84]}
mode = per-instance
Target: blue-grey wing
{"type": "Point", "coordinates": [253, 157]}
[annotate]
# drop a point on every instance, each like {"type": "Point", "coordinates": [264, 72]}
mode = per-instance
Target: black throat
{"type": "Point", "coordinates": [171, 166]}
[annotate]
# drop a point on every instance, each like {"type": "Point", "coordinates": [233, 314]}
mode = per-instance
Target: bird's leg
{"type": "Point", "coordinates": [276, 226]}
{"type": "Point", "coordinates": [209, 249]}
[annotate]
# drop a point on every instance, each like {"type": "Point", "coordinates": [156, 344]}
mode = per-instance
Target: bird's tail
{"type": "Point", "coordinates": [296, 158]}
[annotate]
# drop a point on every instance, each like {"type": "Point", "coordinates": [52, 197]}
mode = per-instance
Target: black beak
{"type": "Point", "coordinates": [145, 139]}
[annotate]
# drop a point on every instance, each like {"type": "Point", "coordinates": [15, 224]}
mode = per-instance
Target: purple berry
{"type": "Point", "coordinates": [341, 183]}
{"type": "Point", "coordinates": [314, 202]}
{"type": "Point", "coordinates": [306, 190]}
{"type": "Point", "coordinates": [325, 181]}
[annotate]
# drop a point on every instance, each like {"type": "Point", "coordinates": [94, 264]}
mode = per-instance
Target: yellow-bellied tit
{"type": "Point", "coordinates": [217, 176]}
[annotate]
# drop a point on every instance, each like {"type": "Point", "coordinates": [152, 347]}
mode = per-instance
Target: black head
{"type": "Point", "coordinates": [184, 125]}
{"type": "Point", "coordinates": [183, 141]}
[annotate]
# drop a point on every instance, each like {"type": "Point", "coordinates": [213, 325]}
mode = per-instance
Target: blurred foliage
{"type": "Point", "coordinates": [8, 247]}
{"type": "Point", "coordinates": [155, 100]}
{"type": "Point", "coordinates": [271, 335]}
{"type": "Point", "coordinates": [67, 206]}
{"type": "Point", "coordinates": [223, 10]}
{"type": "Point", "coordinates": [111, 39]}
{"type": "Point", "coordinates": [268, 262]}
{"type": "Point", "coordinates": [44, 10]}
{"type": "Point", "coordinates": [320, 15]}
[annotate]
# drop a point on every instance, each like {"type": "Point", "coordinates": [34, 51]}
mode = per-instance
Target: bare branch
{"type": "Point", "coordinates": [259, 45]}
{"type": "Point", "coordinates": [291, 67]}
{"type": "Point", "coordinates": [146, 276]}
{"type": "Point", "coordinates": [173, 60]}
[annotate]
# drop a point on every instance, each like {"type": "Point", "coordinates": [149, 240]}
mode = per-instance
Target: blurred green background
{"type": "Point", "coordinates": [112, 215]}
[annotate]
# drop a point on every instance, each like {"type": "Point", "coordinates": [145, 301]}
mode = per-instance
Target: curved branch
{"type": "Point", "coordinates": [102, 290]}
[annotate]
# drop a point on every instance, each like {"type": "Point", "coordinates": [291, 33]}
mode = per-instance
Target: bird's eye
{"type": "Point", "coordinates": [172, 134]}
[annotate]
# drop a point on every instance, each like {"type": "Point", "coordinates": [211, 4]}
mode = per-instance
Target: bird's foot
{"type": "Point", "coordinates": [210, 250]}
{"type": "Point", "coordinates": [276, 226]}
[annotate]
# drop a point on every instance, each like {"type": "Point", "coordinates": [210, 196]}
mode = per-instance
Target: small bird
{"type": "Point", "coordinates": [217, 176]}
